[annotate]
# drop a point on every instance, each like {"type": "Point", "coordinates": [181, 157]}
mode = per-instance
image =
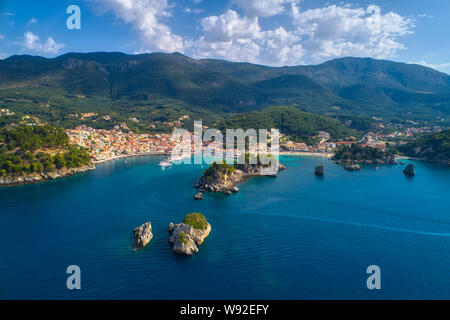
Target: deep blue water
{"type": "Point", "coordinates": [291, 237]}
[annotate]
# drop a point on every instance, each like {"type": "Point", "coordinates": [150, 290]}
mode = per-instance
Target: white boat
{"type": "Point", "coordinates": [165, 163]}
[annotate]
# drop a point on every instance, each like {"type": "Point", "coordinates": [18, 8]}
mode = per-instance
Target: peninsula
{"type": "Point", "coordinates": [354, 155]}
{"type": "Point", "coordinates": [32, 154]}
{"type": "Point", "coordinates": [434, 147]}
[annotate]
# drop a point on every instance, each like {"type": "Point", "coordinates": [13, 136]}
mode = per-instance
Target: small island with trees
{"type": "Point", "coordinates": [355, 155]}
{"type": "Point", "coordinates": [32, 154]}
{"type": "Point", "coordinates": [190, 234]}
{"type": "Point", "coordinates": [223, 177]}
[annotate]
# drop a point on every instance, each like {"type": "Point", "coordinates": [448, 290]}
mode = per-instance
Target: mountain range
{"type": "Point", "coordinates": [346, 86]}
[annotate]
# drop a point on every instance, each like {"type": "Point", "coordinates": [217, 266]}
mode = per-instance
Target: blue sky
{"type": "Point", "coordinates": [272, 32]}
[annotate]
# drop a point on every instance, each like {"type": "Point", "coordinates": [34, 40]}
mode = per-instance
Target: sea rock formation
{"type": "Point", "coordinates": [221, 183]}
{"type": "Point", "coordinates": [186, 238]}
{"type": "Point", "coordinates": [171, 227]}
{"type": "Point", "coordinates": [353, 167]}
{"type": "Point", "coordinates": [143, 235]}
{"type": "Point", "coordinates": [410, 170]}
{"type": "Point", "coordinates": [199, 196]}
{"type": "Point", "coordinates": [41, 177]}
{"type": "Point", "coordinates": [319, 171]}
{"type": "Point", "coordinates": [224, 179]}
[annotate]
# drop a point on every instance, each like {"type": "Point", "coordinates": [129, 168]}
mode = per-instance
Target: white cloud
{"type": "Point", "coordinates": [313, 36]}
{"type": "Point", "coordinates": [33, 43]}
{"type": "Point", "coordinates": [229, 36]}
{"type": "Point", "coordinates": [424, 15]}
{"type": "Point", "coordinates": [437, 66]}
{"type": "Point", "coordinates": [195, 11]}
{"type": "Point", "coordinates": [282, 48]}
{"type": "Point", "coordinates": [263, 8]}
{"type": "Point", "coordinates": [147, 17]}
{"type": "Point", "coordinates": [236, 38]}
{"type": "Point", "coordinates": [336, 31]}
{"type": "Point", "coordinates": [230, 26]}
{"type": "Point", "coordinates": [32, 21]}
{"type": "Point", "coordinates": [318, 34]}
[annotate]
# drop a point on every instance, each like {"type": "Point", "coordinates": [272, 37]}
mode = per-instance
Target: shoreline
{"type": "Point", "coordinates": [443, 162]}
{"type": "Point", "coordinates": [152, 154]}
{"type": "Point", "coordinates": [37, 178]}
{"type": "Point", "coordinates": [306, 154]}
{"type": "Point", "coordinates": [64, 173]}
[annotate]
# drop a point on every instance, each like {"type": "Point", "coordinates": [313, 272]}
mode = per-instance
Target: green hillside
{"type": "Point", "coordinates": [434, 147]}
{"type": "Point", "coordinates": [297, 124]}
{"type": "Point", "coordinates": [26, 149]}
{"type": "Point", "coordinates": [104, 81]}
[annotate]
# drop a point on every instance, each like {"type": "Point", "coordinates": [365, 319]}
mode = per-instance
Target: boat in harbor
{"type": "Point", "coordinates": [165, 163]}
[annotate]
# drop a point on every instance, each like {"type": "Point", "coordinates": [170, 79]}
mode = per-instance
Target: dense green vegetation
{"type": "Point", "coordinates": [359, 153]}
{"type": "Point", "coordinates": [37, 149]}
{"type": "Point", "coordinates": [30, 138]}
{"type": "Point", "coordinates": [130, 85]}
{"type": "Point", "coordinates": [434, 147]}
{"type": "Point", "coordinates": [196, 220]}
{"type": "Point", "coordinates": [299, 125]}
{"type": "Point", "coordinates": [182, 238]}
{"type": "Point", "coordinates": [221, 170]}
{"type": "Point", "coordinates": [55, 106]}
{"type": "Point", "coordinates": [218, 170]}
{"type": "Point", "coordinates": [360, 123]}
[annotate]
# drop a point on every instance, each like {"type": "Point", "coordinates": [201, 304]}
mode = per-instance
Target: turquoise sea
{"type": "Point", "coordinates": [291, 237]}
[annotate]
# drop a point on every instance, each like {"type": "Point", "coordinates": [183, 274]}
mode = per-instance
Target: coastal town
{"type": "Point", "coordinates": [105, 145]}
{"type": "Point", "coordinates": [119, 142]}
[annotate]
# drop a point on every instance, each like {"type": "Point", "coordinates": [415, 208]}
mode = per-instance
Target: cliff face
{"type": "Point", "coordinates": [41, 177]}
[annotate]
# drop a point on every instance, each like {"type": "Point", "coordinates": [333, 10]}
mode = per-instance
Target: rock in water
{"type": "Point", "coordinates": [353, 167]}
{"type": "Point", "coordinates": [189, 235]}
{"type": "Point", "coordinates": [143, 235]}
{"type": "Point", "coordinates": [184, 244]}
{"type": "Point", "coordinates": [171, 227]}
{"type": "Point", "coordinates": [198, 196]}
{"type": "Point", "coordinates": [320, 171]}
{"type": "Point", "coordinates": [410, 170]}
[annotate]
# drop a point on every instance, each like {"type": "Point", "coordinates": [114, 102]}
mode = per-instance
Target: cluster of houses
{"type": "Point", "coordinates": [109, 144]}
{"type": "Point", "coordinates": [6, 112]}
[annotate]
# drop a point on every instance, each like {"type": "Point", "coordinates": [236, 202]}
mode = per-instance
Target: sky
{"type": "Point", "coordinates": [269, 32]}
